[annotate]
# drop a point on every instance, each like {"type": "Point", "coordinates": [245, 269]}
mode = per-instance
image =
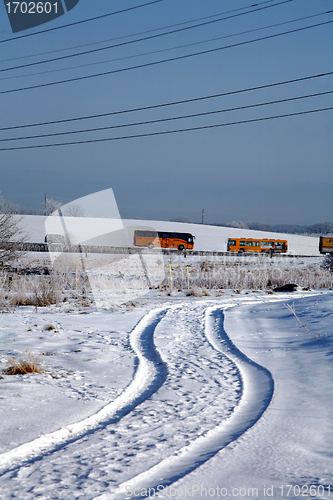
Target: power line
{"type": "Point", "coordinates": [80, 22]}
{"type": "Point", "coordinates": [174, 103]}
{"type": "Point", "coordinates": [171, 59]}
{"type": "Point", "coordinates": [164, 50]}
{"type": "Point", "coordinates": [92, 51]}
{"type": "Point", "coordinates": [161, 120]}
{"type": "Point", "coordinates": [150, 134]}
{"type": "Point", "coordinates": [133, 34]}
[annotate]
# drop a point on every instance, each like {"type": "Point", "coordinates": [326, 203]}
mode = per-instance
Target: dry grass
{"type": "Point", "coordinates": [49, 327]}
{"type": "Point", "coordinates": [195, 276]}
{"type": "Point", "coordinates": [249, 273]}
{"type": "Point", "coordinates": [292, 309]}
{"type": "Point", "coordinates": [20, 299]}
{"type": "Point", "coordinates": [38, 291]}
{"type": "Point", "coordinates": [22, 367]}
{"type": "Point", "coordinates": [197, 292]}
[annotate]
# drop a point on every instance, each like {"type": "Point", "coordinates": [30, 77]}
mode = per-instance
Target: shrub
{"type": "Point", "coordinates": [3, 289]}
{"type": "Point", "coordinates": [328, 262]}
{"type": "Point", "coordinates": [11, 235]}
{"type": "Point", "coordinates": [45, 293]}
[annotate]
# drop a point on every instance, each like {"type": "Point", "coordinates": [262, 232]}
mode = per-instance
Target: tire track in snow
{"type": "Point", "coordinates": [258, 388]}
{"type": "Point", "coordinates": [149, 376]}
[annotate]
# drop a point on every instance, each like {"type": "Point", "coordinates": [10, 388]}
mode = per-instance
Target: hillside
{"type": "Point", "coordinates": [210, 238]}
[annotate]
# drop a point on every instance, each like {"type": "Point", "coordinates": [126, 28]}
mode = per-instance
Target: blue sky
{"type": "Point", "coordinates": [273, 171]}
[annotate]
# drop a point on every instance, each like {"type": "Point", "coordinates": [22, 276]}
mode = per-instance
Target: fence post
{"type": "Point", "coordinates": [170, 277]}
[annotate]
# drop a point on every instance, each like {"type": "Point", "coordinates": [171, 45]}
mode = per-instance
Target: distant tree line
{"type": "Point", "coordinates": [7, 207]}
{"type": "Point", "coordinates": [321, 228]}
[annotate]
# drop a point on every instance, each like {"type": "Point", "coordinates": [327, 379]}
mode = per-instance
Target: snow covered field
{"type": "Point", "coordinates": [169, 394]}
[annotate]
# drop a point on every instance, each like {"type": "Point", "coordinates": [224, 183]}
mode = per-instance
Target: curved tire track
{"type": "Point", "coordinates": [149, 376]}
{"type": "Point", "coordinates": [258, 388]}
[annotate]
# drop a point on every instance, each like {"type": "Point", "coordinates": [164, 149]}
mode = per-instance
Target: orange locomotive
{"type": "Point", "coordinates": [242, 245]}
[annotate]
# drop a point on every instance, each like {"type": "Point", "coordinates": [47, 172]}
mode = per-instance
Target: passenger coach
{"type": "Point", "coordinates": [158, 239]}
{"type": "Point", "coordinates": [242, 245]}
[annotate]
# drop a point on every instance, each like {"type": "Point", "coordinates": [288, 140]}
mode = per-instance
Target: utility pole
{"type": "Point", "coordinates": [203, 214]}
{"type": "Point", "coordinates": [45, 205]}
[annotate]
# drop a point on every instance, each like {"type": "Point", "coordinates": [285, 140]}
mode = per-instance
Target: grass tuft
{"type": "Point", "coordinates": [22, 367]}
{"type": "Point", "coordinates": [49, 327]}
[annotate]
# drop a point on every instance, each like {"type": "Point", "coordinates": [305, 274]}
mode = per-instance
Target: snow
{"type": "Point", "coordinates": [224, 395]}
{"type": "Point", "coordinates": [292, 442]}
{"type": "Point", "coordinates": [212, 238]}
{"type": "Point", "coordinates": [191, 405]}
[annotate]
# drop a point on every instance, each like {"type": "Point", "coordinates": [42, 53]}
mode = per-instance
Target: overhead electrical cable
{"type": "Point", "coordinates": [86, 65]}
{"type": "Point", "coordinates": [165, 132]}
{"type": "Point", "coordinates": [92, 51]}
{"type": "Point", "coordinates": [80, 22]}
{"type": "Point", "coordinates": [133, 34]}
{"type": "Point", "coordinates": [173, 103]}
{"type": "Point", "coordinates": [171, 59]}
{"type": "Point", "coordinates": [173, 118]}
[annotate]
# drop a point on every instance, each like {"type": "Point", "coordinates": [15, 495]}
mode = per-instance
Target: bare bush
{"type": "Point", "coordinates": [11, 238]}
{"type": "Point", "coordinates": [328, 262]}
{"type": "Point", "coordinates": [3, 288]}
{"type": "Point", "coordinates": [11, 235]}
{"type": "Point", "coordinates": [38, 291]}
{"type": "Point", "coordinates": [45, 293]}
